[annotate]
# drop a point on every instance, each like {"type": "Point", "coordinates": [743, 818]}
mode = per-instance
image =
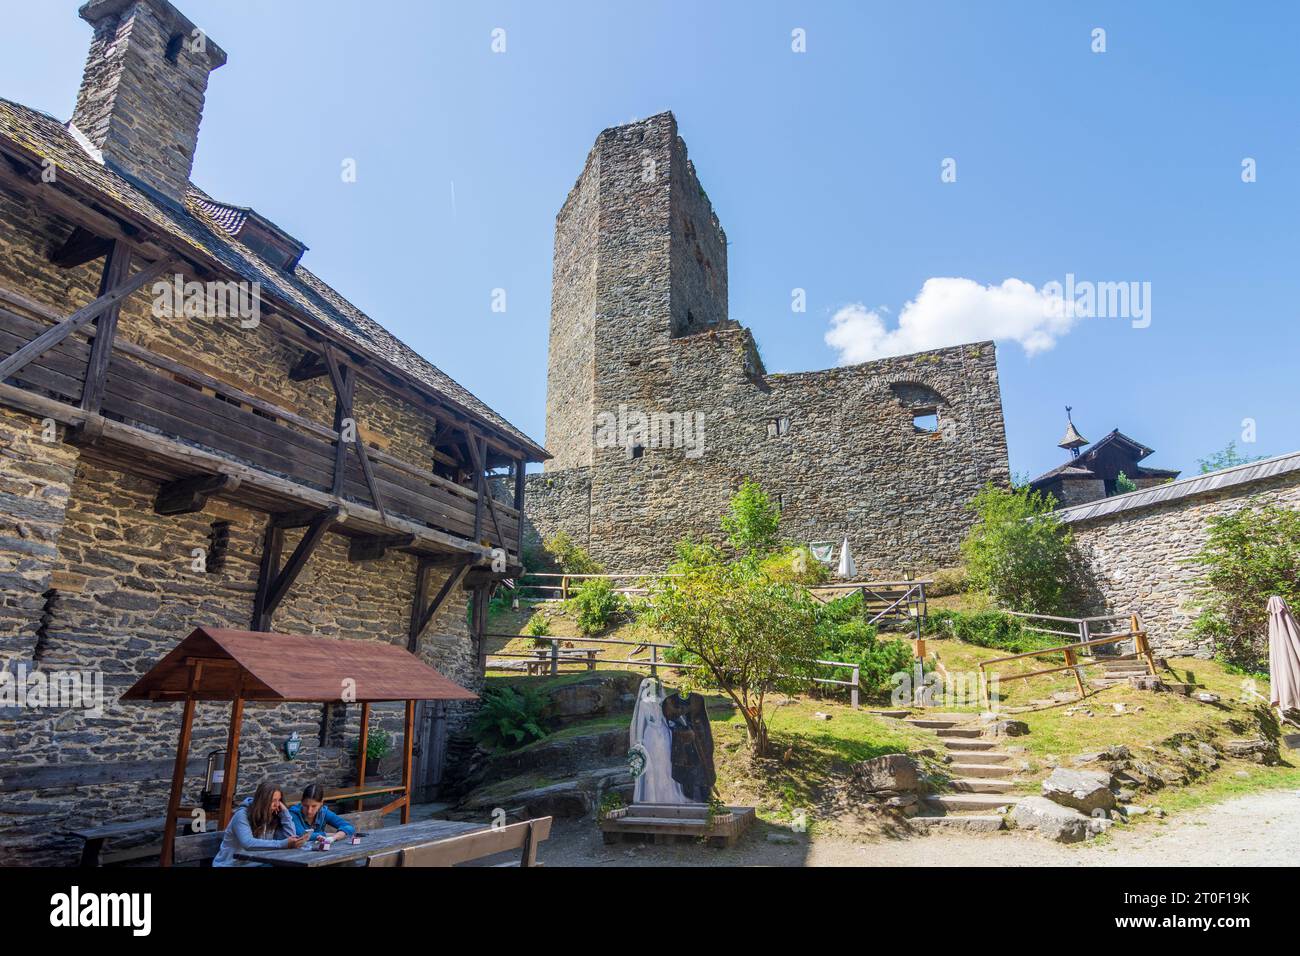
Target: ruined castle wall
{"type": "Point", "coordinates": [845, 458]}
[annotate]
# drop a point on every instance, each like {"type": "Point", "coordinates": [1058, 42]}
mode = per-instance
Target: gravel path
{"type": "Point", "coordinates": [1259, 830]}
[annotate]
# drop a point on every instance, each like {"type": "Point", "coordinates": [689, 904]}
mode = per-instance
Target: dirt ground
{"type": "Point", "coordinates": [1258, 830]}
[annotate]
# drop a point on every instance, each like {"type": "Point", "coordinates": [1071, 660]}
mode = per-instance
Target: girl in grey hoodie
{"type": "Point", "coordinates": [262, 822]}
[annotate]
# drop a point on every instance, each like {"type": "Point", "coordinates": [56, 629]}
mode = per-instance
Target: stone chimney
{"type": "Point", "coordinates": [141, 98]}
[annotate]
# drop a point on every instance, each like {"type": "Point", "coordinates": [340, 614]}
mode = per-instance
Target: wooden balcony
{"type": "Point", "coordinates": [169, 422]}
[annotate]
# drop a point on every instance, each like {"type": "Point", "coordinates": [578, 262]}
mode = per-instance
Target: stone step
{"type": "Point", "coordinates": [982, 769]}
{"type": "Point", "coordinates": [949, 802]}
{"type": "Point", "coordinates": [889, 713]}
{"type": "Point", "coordinates": [952, 732]}
{"type": "Point", "coordinates": [967, 757]}
{"type": "Point", "coordinates": [930, 724]}
{"type": "Point", "coordinates": [971, 822]}
{"type": "Point", "coordinates": [977, 785]}
{"type": "Point", "coordinates": [964, 745]}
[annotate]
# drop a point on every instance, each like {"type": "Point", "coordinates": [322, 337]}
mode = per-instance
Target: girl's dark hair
{"type": "Point", "coordinates": [261, 817]}
{"type": "Point", "coordinates": [314, 791]}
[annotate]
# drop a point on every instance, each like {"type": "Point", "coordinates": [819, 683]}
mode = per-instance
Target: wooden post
{"type": "Point", "coordinates": [1070, 661]}
{"type": "Point", "coordinates": [362, 745]}
{"type": "Point", "coordinates": [232, 762]}
{"type": "Point", "coordinates": [654, 661]}
{"type": "Point", "coordinates": [272, 545]}
{"type": "Point", "coordinates": [519, 504]}
{"type": "Point", "coordinates": [1140, 643]}
{"type": "Point", "coordinates": [178, 784]}
{"type": "Point", "coordinates": [116, 268]}
{"type": "Point", "coordinates": [407, 746]}
{"type": "Point", "coordinates": [853, 692]}
{"type": "Point", "coordinates": [555, 656]}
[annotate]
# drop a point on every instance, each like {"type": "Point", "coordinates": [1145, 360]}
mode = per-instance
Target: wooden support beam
{"type": "Point", "coordinates": [478, 449]}
{"type": "Point", "coordinates": [272, 546]}
{"type": "Point", "coordinates": [285, 577]}
{"type": "Point", "coordinates": [520, 479]}
{"type": "Point", "coordinates": [421, 614]}
{"type": "Point", "coordinates": [116, 269]}
{"type": "Point", "coordinates": [178, 771]}
{"type": "Point", "coordinates": [190, 495]}
{"type": "Point", "coordinates": [343, 392]}
{"type": "Point", "coordinates": [81, 247]}
{"type": "Point", "coordinates": [308, 367]}
{"type": "Point", "coordinates": [342, 411]}
{"type": "Point", "coordinates": [56, 334]}
{"type": "Point", "coordinates": [373, 547]}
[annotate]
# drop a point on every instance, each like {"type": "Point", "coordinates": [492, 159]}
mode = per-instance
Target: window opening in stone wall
{"type": "Point", "coordinates": [925, 421]}
{"type": "Point", "coordinates": [777, 427]}
{"type": "Point", "coordinates": [43, 626]}
{"type": "Point", "coordinates": [174, 45]}
{"type": "Point", "coordinates": [637, 451]}
{"type": "Point", "coordinates": [333, 724]}
{"type": "Point", "coordinates": [218, 546]}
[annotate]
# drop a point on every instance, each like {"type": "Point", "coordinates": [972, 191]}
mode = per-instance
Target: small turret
{"type": "Point", "coordinates": [1072, 440]}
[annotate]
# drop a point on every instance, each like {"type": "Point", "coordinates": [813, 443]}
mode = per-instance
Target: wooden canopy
{"type": "Point", "coordinates": [258, 666]}
{"type": "Point", "coordinates": [216, 664]}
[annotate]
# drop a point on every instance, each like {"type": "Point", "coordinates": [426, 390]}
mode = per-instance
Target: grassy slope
{"type": "Point", "coordinates": [810, 757]}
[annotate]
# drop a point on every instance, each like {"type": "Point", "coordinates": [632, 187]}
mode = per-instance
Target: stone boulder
{"type": "Point", "coordinates": [1008, 728]}
{"type": "Point", "coordinates": [1082, 790]}
{"type": "Point", "coordinates": [897, 772]}
{"type": "Point", "coordinates": [1051, 820]}
{"type": "Point", "coordinates": [1256, 750]}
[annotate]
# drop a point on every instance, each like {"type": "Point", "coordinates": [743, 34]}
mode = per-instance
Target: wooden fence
{"type": "Point", "coordinates": [1077, 654]}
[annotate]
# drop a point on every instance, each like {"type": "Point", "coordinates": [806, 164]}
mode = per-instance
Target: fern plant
{"type": "Point", "coordinates": [509, 718]}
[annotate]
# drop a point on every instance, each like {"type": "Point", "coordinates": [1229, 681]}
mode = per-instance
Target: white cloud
{"type": "Point", "coordinates": [949, 311]}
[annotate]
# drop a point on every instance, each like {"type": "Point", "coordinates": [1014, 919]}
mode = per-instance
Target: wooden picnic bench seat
{"type": "Point", "coordinates": [94, 838]}
{"type": "Point", "coordinates": [472, 846]}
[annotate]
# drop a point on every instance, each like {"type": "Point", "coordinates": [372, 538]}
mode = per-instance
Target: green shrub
{"type": "Point", "coordinates": [1018, 551]}
{"type": "Point", "coordinates": [565, 556]}
{"type": "Point", "coordinates": [753, 521]}
{"type": "Point", "coordinates": [595, 604]}
{"type": "Point", "coordinates": [509, 718]}
{"type": "Point", "coordinates": [992, 629]}
{"type": "Point", "coordinates": [539, 625]}
{"type": "Point", "coordinates": [1124, 484]}
{"type": "Point", "coordinates": [379, 743]}
{"type": "Point", "coordinates": [1249, 556]}
{"type": "Point", "coordinates": [854, 641]}
{"type": "Point", "coordinates": [947, 581]}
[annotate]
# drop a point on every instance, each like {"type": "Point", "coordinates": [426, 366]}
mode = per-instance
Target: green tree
{"type": "Point", "coordinates": [1228, 457]}
{"type": "Point", "coordinates": [753, 521]}
{"type": "Point", "coordinates": [1018, 551]}
{"type": "Point", "coordinates": [1124, 484]}
{"type": "Point", "coordinates": [1249, 555]}
{"type": "Point", "coordinates": [750, 632]}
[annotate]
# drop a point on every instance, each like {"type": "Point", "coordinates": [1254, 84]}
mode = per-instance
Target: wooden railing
{"type": "Point", "coordinates": [552, 658]}
{"type": "Point", "coordinates": [165, 397]}
{"type": "Point", "coordinates": [1077, 654]}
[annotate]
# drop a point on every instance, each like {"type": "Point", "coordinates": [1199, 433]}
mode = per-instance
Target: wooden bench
{"type": "Point", "coordinates": [473, 846]}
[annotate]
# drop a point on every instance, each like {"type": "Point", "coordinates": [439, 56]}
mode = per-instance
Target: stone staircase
{"type": "Point", "coordinates": [981, 777]}
{"type": "Point", "coordinates": [1117, 670]}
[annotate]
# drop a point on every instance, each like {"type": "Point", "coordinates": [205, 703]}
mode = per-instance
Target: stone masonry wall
{"type": "Point", "coordinates": [1137, 558]}
{"type": "Point", "coordinates": [94, 580]}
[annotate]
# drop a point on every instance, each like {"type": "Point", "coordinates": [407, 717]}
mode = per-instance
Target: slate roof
{"type": "Point", "coordinates": [1183, 488]}
{"type": "Point", "coordinates": [202, 226]}
{"type": "Point", "coordinates": [1078, 467]}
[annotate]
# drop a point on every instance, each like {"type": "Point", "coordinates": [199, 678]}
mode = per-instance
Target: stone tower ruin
{"type": "Point", "coordinates": [658, 404]}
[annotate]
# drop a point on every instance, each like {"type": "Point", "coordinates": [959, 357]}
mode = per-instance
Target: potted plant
{"type": "Point", "coordinates": [378, 744]}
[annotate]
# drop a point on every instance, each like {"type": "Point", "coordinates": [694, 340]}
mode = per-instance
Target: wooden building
{"type": "Point", "coordinates": [1093, 471]}
{"type": "Point", "coordinates": [195, 430]}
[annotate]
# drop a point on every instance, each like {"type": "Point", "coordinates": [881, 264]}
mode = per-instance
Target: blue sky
{"type": "Point", "coordinates": [824, 167]}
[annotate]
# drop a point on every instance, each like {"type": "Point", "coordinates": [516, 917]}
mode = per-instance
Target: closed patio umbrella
{"type": "Point", "coordinates": [847, 568]}
{"type": "Point", "coordinates": [1283, 656]}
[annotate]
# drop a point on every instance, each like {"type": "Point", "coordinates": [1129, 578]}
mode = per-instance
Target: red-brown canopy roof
{"type": "Point", "coordinates": [255, 665]}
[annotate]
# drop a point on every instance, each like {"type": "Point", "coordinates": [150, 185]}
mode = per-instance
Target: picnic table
{"type": "Point", "coordinates": [400, 837]}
